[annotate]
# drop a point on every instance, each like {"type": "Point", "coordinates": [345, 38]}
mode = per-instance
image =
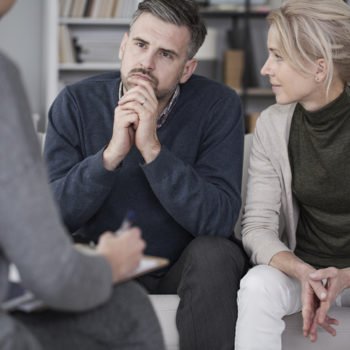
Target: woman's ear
{"type": "Point", "coordinates": [321, 70]}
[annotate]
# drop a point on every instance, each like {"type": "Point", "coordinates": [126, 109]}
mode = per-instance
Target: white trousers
{"type": "Point", "coordinates": [266, 295]}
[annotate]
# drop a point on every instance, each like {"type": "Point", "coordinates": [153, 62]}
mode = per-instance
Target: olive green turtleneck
{"type": "Point", "coordinates": [319, 153]}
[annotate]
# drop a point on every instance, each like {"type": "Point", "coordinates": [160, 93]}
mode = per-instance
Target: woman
{"type": "Point", "coordinates": [299, 168]}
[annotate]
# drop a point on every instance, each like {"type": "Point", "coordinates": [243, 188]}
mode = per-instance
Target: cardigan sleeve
{"type": "Point", "coordinates": [260, 221]}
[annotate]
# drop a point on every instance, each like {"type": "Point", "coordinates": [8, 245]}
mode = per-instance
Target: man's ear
{"type": "Point", "coordinates": [122, 46]}
{"type": "Point", "coordinates": [189, 68]}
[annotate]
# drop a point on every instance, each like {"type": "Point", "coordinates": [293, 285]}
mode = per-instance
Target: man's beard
{"type": "Point", "coordinates": [161, 95]}
{"type": "Point", "coordinates": [143, 71]}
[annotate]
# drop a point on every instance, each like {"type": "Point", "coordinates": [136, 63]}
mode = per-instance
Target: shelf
{"type": "Point", "coordinates": [234, 11]}
{"type": "Point", "coordinates": [107, 28]}
{"type": "Point", "coordinates": [89, 66]}
{"type": "Point", "coordinates": [95, 21]}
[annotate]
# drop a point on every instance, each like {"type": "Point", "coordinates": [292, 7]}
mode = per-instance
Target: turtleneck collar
{"type": "Point", "coordinates": [329, 113]}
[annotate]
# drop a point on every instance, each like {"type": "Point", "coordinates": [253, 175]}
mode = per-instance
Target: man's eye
{"type": "Point", "coordinates": [166, 54]}
{"type": "Point", "coordinates": [139, 44]}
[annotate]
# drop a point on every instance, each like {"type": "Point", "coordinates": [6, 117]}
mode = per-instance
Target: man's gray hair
{"type": "Point", "coordinates": [178, 12]}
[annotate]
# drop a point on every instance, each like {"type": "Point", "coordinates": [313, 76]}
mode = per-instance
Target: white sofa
{"type": "Point", "coordinates": [292, 338]}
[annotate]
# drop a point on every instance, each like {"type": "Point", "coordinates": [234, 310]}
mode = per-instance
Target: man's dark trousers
{"type": "Point", "coordinates": [206, 277]}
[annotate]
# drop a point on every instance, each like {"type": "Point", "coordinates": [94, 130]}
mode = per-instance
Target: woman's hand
{"type": "Point", "coordinates": [313, 293]}
{"type": "Point", "coordinates": [337, 281]}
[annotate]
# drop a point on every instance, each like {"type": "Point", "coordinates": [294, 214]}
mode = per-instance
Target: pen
{"type": "Point", "coordinates": [126, 223]}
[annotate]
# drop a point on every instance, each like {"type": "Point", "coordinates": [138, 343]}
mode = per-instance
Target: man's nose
{"type": "Point", "coordinates": [148, 60]}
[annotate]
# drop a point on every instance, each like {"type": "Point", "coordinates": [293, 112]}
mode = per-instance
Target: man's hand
{"type": "Point", "coordinates": [141, 100]}
{"type": "Point", "coordinates": [125, 123]}
{"type": "Point", "coordinates": [123, 252]}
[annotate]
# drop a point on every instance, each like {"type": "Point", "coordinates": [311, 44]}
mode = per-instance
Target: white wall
{"type": "Point", "coordinates": [22, 38]}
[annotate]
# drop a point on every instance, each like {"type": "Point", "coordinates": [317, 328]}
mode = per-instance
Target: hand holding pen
{"type": "Point", "coordinates": [123, 249]}
{"type": "Point", "coordinates": [127, 223]}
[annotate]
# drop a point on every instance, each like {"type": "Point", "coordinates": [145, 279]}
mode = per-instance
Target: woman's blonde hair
{"type": "Point", "coordinates": [308, 30]}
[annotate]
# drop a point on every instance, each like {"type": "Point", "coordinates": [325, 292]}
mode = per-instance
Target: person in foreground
{"type": "Point", "coordinates": [299, 168]}
{"type": "Point", "coordinates": [85, 310]}
{"type": "Point", "coordinates": [167, 144]}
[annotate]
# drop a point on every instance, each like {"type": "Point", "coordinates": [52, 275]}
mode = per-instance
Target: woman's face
{"type": "Point", "coordinates": [288, 84]}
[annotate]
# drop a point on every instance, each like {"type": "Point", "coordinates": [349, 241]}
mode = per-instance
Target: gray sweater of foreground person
{"type": "Point", "coordinates": [31, 233]}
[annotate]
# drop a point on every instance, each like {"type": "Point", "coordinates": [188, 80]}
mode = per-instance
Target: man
{"type": "Point", "coordinates": [89, 312]}
{"type": "Point", "coordinates": [172, 152]}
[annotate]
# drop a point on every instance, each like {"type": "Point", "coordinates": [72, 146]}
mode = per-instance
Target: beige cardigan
{"type": "Point", "coordinates": [270, 214]}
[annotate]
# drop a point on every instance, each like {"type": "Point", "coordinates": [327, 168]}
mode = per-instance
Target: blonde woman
{"type": "Point", "coordinates": [300, 173]}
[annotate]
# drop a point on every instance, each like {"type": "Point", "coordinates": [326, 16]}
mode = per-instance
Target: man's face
{"type": "Point", "coordinates": [156, 51]}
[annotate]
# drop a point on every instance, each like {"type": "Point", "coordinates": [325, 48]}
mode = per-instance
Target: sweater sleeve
{"type": "Point", "coordinates": [31, 234]}
{"type": "Point", "coordinates": [260, 221]}
{"type": "Point", "coordinates": [205, 197]}
{"type": "Point", "coordinates": [80, 182]}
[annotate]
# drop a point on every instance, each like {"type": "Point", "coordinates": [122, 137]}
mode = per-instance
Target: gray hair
{"type": "Point", "coordinates": [311, 29]}
{"type": "Point", "coordinates": [178, 12]}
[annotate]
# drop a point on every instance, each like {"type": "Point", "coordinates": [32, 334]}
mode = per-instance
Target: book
{"type": "Point", "coordinates": [61, 7]}
{"type": "Point", "coordinates": [233, 68]}
{"type": "Point", "coordinates": [95, 9]}
{"type": "Point", "coordinates": [109, 8]}
{"type": "Point", "coordinates": [66, 51]}
{"type": "Point", "coordinates": [78, 8]}
{"type": "Point", "coordinates": [87, 8]}
{"type": "Point", "coordinates": [98, 44]}
{"type": "Point", "coordinates": [65, 8]}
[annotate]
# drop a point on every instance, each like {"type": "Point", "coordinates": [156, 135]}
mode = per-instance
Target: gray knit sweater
{"type": "Point", "coordinates": [31, 233]}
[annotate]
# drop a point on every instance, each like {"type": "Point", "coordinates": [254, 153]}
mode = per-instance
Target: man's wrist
{"type": "Point", "coordinates": [109, 160]}
{"type": "Point", "coordinates": [152, 153]}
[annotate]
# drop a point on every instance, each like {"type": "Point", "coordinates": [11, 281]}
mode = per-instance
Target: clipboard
{"type": "Point", "coordinates": [19, 298]}
{"type": "Point", "coordinates": [148, 264]}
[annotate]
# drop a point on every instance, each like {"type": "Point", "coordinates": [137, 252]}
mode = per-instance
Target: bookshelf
{"type": "Point", "coordinates": [245, 52]}
{"type": "Point", "coordinates": [99, 32]}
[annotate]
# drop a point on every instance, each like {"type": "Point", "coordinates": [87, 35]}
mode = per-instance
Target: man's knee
{"type": "Point", "coordinates": [206, 256]}
{"type": "Point", "coordinates": [214, 251]}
